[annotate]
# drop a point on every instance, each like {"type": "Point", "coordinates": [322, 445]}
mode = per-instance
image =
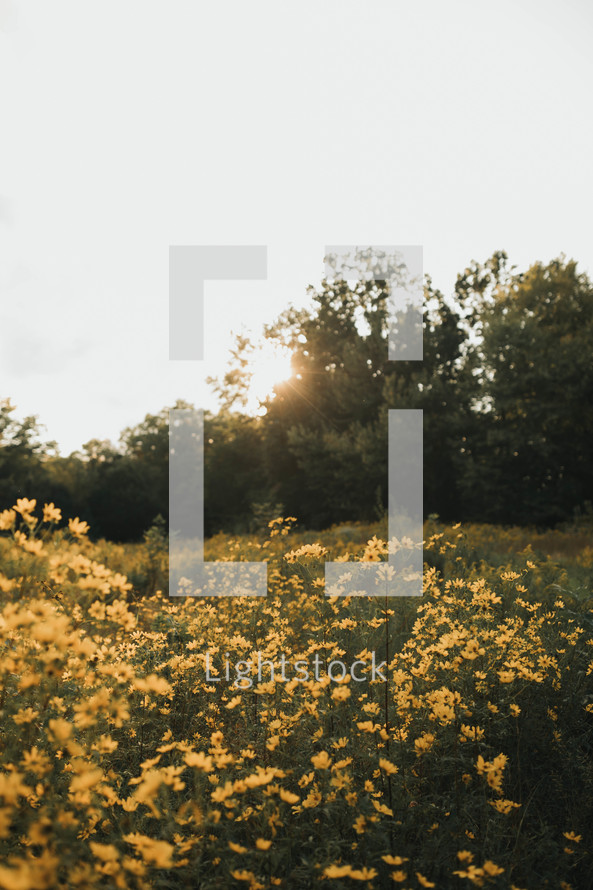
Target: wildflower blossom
{"type": "Point", "coordinates": [25, 507]}
{"type": "Point", "coordinates": [7, 518]}
{"type": "Point", "coordinates": [51, 513]}
{"type": "Point", "coordinates": [77, 527]}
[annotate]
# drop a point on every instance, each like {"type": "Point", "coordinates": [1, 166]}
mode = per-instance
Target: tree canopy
{"type": "Point", "coordinates": [505, 385]}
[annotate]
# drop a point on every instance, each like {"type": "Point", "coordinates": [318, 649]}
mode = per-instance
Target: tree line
{"type": "Point", "coordinates": [506, 387]}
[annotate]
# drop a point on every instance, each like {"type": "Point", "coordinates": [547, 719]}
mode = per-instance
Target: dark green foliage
{"type": "Point", "coordinates": [506, 387]}
{"type": "Point", "coordinates": [531, 440]}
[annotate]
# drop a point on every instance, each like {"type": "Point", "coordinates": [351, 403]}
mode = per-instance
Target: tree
{"type": "Point", "coordinates": [234, 476]}
{"type": "Point", "coordinates": [444, 387]}
{"type": "Point", "coordinates": [506, 387]}
{"type": "Point", "coordinates": [233, 472]}
{"type": "Point", "coordinates": [325, 432]}
{"type": "Point", "coordinates": [233, 389]}
{"type": "Point", "coordinates": [313, 427]}
{"type": "Point", "coordinates": [22, 471]}
{"type": "Point", "coordinates": [530, 457]}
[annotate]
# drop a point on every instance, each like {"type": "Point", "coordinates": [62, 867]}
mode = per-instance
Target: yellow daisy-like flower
{"type": "Point", "coordinates": [491, 869]}
{"type": "Point", "coordinates": [506, 676]}
{"type": "Point", "coordinates": [504, 806]}
{"type": "Point", "coordinates": [31, 545]}
{"type": "Point", "coordinates": [424, 743]}
{"type": "Point", "coordinates": [321, 760]}
{"type": "Point", "coordinates": [154, 852]}
{"type": "Point", "coordinates": [337, 871]}
{"type": "Point", "coordinates": [25, 507]}
{"type": "Point", "coordinates": [571, 836]}
{"type": "Point", "coordinates": [36, 761]}
{"type": "Point", "coordinates": [363, 874]}
{"type": "Point", "coordinates": [199, 760]}
{"type": "Point", "coordinates": [25, 715]}
{"type": "Point", "coordinates": [7, 518]}
{"type": "Point", "coordinates": [233, 703]}
{"type": "Point", "coordinates": [51, 513]}
{"type": "Point", "coordinates": [341, 693]}
{"type": "Point", "coordinates": [360, 824]}
{"type": "Point", "coordinates": [77, 527]}
{"type": "Point", "coordinates": [105, 852]}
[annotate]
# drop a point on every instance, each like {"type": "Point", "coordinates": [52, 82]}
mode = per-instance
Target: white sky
{"type": "Point", "coordinates": [130, 125]}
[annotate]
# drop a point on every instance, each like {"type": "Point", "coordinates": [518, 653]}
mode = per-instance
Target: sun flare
{"type": "Point", "coordinates": [271, 365]}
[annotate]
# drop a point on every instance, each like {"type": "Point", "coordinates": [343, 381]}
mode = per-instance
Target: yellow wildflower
{"type": "Point", "coordinates": [394, 860]}
{"type": "Point", "coordinates": [387, 766]}
{"type": "Point", "coordinates": [25, 507]}
{"type": "Point", "coordinates": [491, 869]}
{"type": "Point", "coordinates": [104, 852]}
{"type": "Point", "coordinates": [363, 874]}
{"type": "Point", "coordinates": [51, 513]}
{"type": "Point", "coordinates": [25, 715]}
{"type": "Point", "coordinates": [7, 518]}
{"type": "Point", "coordinates": [504, 806]}
{"type": "Point", "coordinates": [199, 760]}
{"type": "Point", "coordinates": [321, 760]}
{"type": "Point", "coordinates": [424, 743]}
{"type": "Point", "coordinates": [77, 527]}
{"type": "Point", "coordinates": [157, 853]}
{"type": "Point", "coordinates": [288, 796]}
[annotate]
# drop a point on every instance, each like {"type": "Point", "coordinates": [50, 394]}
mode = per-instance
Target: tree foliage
{"type": "Point", "coordinates": [505, 385]}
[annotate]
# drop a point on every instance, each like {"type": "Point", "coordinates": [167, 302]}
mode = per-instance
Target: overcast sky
{"type": "Point", "coordinates": [130, 125]}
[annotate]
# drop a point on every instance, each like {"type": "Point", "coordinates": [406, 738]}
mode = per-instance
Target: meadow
{"type": "Point", "coordinates": [129, 760]}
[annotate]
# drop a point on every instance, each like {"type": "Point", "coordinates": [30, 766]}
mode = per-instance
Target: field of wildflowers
{"type": "Point", "coordinates": [129, 760]}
